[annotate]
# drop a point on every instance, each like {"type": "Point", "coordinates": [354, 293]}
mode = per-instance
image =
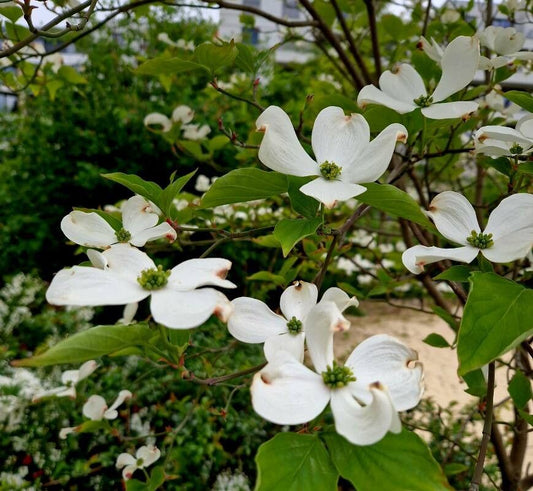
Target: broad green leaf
{"type": "Point", "coordinates": [447, 317]}
{"type": "Point", "coordinates": [520, 390]}
{"type": "Point", "coordinates": [523, 99]}
{"type": "Point", "coordinates": [12, 12]}
{"type": "Point", "coordinates": [436, 340]}
{"type": "Point", "coordinates": [157, 478]}
{"type": "Point", "coordinates": [242, 185]}
{"type": "Point", "coordinates": [168, 66]}
{"type": "Point", "coordinates": [214, 56]}
{"type": "Point", "coordinates": [455, 468]}
{"type": "Point", "coordinates": [169, 193]}
{"type": "Point", "coordinates": [266, 241]}
{"type": "Point", "coordinates": [501, 164]}
{"type": "Point", "coordinates": [150, 190]}
{"type": "Point", "coordinates": [90, 344]}
{"type": "Point", "coordinates": [394, 201]}
{"type": "Point", "coordinates": [526, 168]}
{"type": "Point", "coordinates": [92, 426]}
{"type": "Point", "coordinates": [294, 462]}
{"type": "Point", "coordinates": [476, 382]}
{"type": "Point", "coordinates": [498, 315]}
{"type": "Point", "coordinates": [277, 279]}
{"type": "Point", "coordinates": [179, 337]}
{"type": "Point", "coordinates": [399, 462]}
{"type": "Point", "coordinates": [136, 485]}
{"type": "Point", "coordinates": [53, 86]}
{"type": "Point", "coordinates": [301, 203]}
{"type": "Point", "coordinates": [457, 273]}
{"type": "Point", "coordinates": [290, 232]}
{"type": "Point", "coordinates": [71, 75]}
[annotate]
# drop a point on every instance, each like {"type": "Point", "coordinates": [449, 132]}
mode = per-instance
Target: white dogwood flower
{"type": "Point", "coordinates": [508, 235]}
{"type": "Point", "coordinates": [498, 141]}
{"type": "Point", "coordinates": [124, 275]}
{"type": "Point", "coordinates": [251, 320]}
{"type": "Point", "coordinates": [139, 225]}
{"type": "Point", "coordinates": [144, 457]}
{"type": "Point", "coordinates": [506, 42]}
{"type": "Point", "coordinates": [96, 409]}
{"type": "Point", "coordinates": [69, 378]}
{"type": "Point", "coordinates": [344, 154]}
{"type": "Point", "coordinates": [195, 131]}
{"type": "Point", "coordinates": [380, 377]}
{"type": "Point", "coordinates": [404, 90]}
{"type": "Point", "coordinates": [158, 122]}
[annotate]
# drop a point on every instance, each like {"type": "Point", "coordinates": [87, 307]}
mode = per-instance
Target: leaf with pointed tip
{"type": "Point", "coordinates": [91, 344]}
{"type": "Point", "coordinates": [148, 189]}
{"type": "Point", "coordinates": [498, 316]}
{"type": "Point", "coordinates": [290, 232]}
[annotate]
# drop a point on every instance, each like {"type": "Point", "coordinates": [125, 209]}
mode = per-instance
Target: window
{"type": "Point", "coordinates": [250, 35]}
{"type": "Point", "coordinates": [290, 9]}
{"type": "Point", "coordinates": [252, 3]}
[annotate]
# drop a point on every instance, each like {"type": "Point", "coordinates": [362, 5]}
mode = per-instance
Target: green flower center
{"type": "Point", "coordinates": [337, 376]}
{"type": "Point", "coordinates": [153, 279]}
{"type": "Point", "coordinates": [481, 241]}
{"type": "Point", "coordinates": [516, 149]}
{"type": "Point", "coordinates": [294, 326]}
{"type": "Point", "coordinates": [123, 235]}
{"type": "Point", "coordinates": [330, 170]}
{"type": "Point", "coordinates": [423, 101]}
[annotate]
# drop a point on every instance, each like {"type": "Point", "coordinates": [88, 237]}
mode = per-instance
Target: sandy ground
{"type": "Point", "coordinates": [440, 364]}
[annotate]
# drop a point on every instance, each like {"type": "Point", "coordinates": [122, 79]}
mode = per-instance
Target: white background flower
{"type": "Point", "coordinates": [400, 89]}
{"type": "Point", "coordinates": [70, 378]}
{"type": "Point", "coordinates": [139, 220]}
{"type": "Point", "coordinates": [510, 223]}
{"type": "Point", "coordinates": [506, 42]}
{"type": "Point", "coordinates": [144, 457]}
{"type": "Point", "coordinates": [179, 304]}
{"type": "Point", "coordinates": [336, 139]}
{"type": "Point", "coordinates": [387, 380]}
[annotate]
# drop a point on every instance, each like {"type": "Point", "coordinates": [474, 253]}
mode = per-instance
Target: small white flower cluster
{"type": "Point", "coordinates": [180, 43]}
{"type": "Point", "coordinates": [181, 115]}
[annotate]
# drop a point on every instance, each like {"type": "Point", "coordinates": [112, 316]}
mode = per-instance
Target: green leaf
{"type": "Point", "coordinates": [242, 185]}
{"type": "Point", "coordinates": [526, 168]}
{"type": "Point", "coordinates": [214, 56]}
{"type": "Point", "coordinates": [294, 462]}
{"type": "Point", "coordinates": [498, 315]}
{"type": "Point", "coordinates": [300, 202]}
{"type": "Point", "coordinates": [71, 75]}
{"type": "Point", "coordinates": [436, 340]}
{"type": "Point", "coordinates": [90, 344]}
{"type": "Point", "coordinates": [148, 189]}
{"type": "Point", "coordinates": [136, 485]}
{"type": "Point", "coordinates": [290, 232]}
{"type": "Point", "coordinates": [168, 66]}
{"type": "Point", "coordinates": [92, 426]}
{"type": "Point", "coordinates": [523, 99]}
{"type": "Point", "coordinates": [394, 201]}
{"type": "Point", "coordinates": [501, 164]}
{"type": "Point", "coordinates": [477, 385]}
{"type": "Point", "coordinates": [446, 317]}
{"type": "Point", "coordinates": [277, 279]}
{"type": "Point", "coordinates": [53, 86]}
{"type": "Point", "coordinates": [457, 273]}
{"type": "Point", "coordinates": [157, 478]}
{"type": "Point", "coordinates": [455, 468]}
{"type": "Point", "coordinates": [396, 463]}
{"type": "Point", "coordinates": [169, 193]}
{"type": "Point", "coordinates": [13, 13]}
{"type": "Point", "coordinates": [179, 337]}
{"type": "Point", "coordinates": [520, 390]}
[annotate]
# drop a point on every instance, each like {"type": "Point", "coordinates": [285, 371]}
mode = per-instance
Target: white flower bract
{"type": "Point", "coordinates": [508, 235]}
{"type": "Point", "coordinates": [139, 221]}
{"type": "Point", "coordinates": [177, 302]}
{"type": "Point", "coordinates": [252, 321]}
{"type": "Point", "coordinates": [404, 90]}
{"type": "Point", "coordinates": [344, 154]}
{"type": "Point", "coordinates": [144, 457]}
